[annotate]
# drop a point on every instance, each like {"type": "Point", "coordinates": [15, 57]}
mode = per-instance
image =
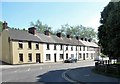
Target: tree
{"type": "Point", "coordinates": [109, 30]}
{"type": "Point", "coordinates": [40, 27]}
{"type": "Point", "coordinates": [79, 30]}
{"type": "Point", "coordinates": [0, 26]}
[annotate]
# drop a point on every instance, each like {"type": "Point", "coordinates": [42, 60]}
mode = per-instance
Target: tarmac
{"type": "Point", "coordinates": [85, 75]}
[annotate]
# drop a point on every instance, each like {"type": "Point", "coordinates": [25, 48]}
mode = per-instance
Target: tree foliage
{"type": "Point", "coordinates": [41, 27]}
{"type": "Point", "coordinates": [79, 30]}
{"type": "Point", "coordinates": [109, 30]}
{"type": "Point", "coordinates": [0, 26]}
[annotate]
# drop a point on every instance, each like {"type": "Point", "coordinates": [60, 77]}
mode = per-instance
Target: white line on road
{"type": "Point", "coordinates": [28, 69]}
{"type": "Point", "coordinates": [40, 67]}
{"type": "Point", "coordinates": [15, 71]}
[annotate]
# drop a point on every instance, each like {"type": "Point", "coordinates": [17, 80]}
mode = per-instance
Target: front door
{"type": "Point", "coordinates": [55, 57]}
{"type": "Point", "coordinates": [84, 56]}
{"type": "Point", "coordinates": [38, 58]}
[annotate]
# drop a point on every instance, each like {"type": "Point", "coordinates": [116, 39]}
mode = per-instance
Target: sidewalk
{"type": "Point", "coordinates": [5, 66]}
{"type": "Point", "coordinates": [85, 75]}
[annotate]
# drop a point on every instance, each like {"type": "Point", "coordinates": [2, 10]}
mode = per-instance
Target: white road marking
{"type": "Point", "coordinates": [40, 67]}
{"type": "Point", "coordinates": [66, 78]}
{"type": "Point", "coordinates": [15, 71]}
{"type": "Point", "coordinates": [28, 69]}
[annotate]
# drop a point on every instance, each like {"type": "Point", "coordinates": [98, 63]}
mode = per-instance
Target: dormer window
{"type": "Point", "coordinates": [20, 45]}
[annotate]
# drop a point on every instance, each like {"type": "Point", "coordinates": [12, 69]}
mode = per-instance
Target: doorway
{"type": "Point", "coordinates": [55, 57]}
{"type": "Point", "coordinates": [83, 56]}
{"type": "Point", "coordinates": [38, 60]}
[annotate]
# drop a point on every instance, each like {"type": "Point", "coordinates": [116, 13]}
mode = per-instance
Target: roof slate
{"type": "Point", "coordinates": [25, 36]}
{"type": "Point", "coordinates": [22, 35]}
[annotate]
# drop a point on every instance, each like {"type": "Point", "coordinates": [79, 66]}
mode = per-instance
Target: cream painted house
{"type": "Point", "coordinates": [20, 47]}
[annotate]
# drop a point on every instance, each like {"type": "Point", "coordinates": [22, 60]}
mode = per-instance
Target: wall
{"type": "Point", "coordinates": [25, 51]}
{"type": "Point", "coordinates": [6, 56]}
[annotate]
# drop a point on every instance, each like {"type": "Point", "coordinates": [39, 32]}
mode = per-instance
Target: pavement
{"type": "Point", "coordinates": [86, 75]}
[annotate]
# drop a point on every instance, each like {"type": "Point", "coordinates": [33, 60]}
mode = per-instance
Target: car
{"type": "Point", "coordinates": [70, 60]}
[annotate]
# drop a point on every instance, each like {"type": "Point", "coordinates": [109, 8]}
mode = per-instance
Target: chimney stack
{"type": "Point", "coordinates": [82, 39]}
{"type": "Point", "coordinates": [68, 35]}
{"type": "Point", "coordinates": [59, 35]}
{"type": "Point", "coordinates": [85, 39]}
{"type": "Point", "coordinates": [89, 40]}
{"type": "Point", "coordinates": [32, 30]}
{"type": "Point", "coordinates": [77, 37]}
{"type": "Point", "coordinates": [47, 33]}
{"type": "Point", "coordinates": [4, 25]}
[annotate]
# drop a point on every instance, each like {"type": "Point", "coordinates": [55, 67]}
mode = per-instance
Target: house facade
{"type": "Point", "coordinates": [20, 47]}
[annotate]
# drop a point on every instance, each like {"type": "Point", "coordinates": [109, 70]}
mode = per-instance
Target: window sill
{"type": "Point", "coordinates": [47, 60]}
{"type": "Point", "coordinates": [29, 48]}
{"type": "Point", "coordinates": [36, 49]}
{"type": "Point", "coordinates": [20, 48]}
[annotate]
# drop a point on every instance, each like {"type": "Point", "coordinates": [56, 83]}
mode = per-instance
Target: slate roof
{"type": "Point", "coordinates": [22, 35]}
{"type": "Point", "coordinates": [91, 44]}
{"type": "Point", "coordinates": [45, 38]}
{"type": "Point", "coordinates": [25, 36]}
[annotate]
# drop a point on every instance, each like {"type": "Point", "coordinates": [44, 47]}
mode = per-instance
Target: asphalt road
{"type": "Point", "coordinates": [41, 73]}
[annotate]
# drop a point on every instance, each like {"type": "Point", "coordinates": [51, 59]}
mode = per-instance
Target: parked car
{"type": "Point", "coordinates": [70, 60]}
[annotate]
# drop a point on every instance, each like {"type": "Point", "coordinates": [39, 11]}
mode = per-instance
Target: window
{"type": "Point", "coordinates": [61, 56]}
{"type": "Point", "coordinates": [21, 57]}
{"type": "Point", "coordinates": [66, 56]}
{"type": "Point", "coordinates": [30, 57]}
{"type": "Point", "coordinates": [47, 57]}
{"type": "Point", "coordinates": [54, 46]}
{"type": "Point", "coordinates": [87, 48]}
{"type": "Point", "coordinates": [71, 48]}
{"type": "Point", "coordinates": [76, 48]}
{"type": "Point", "coordinates": [83, 48]}
{"type": "Point", "coordinates": [20, 45]}
{"type": "Point", "coordinates": [29, 45]}
{"type": "Point", "coordinates": [37, 46]}
{"type": "Point", "coordinates": [61, 47]}
{"type": "Point", "coordinates": [80, 56]}
{"type": "Point", "coordinates": [72, 55]}
{"type": "Point", "coordinates": [66, 47]}
{"type": "Point", "coordinates": [80, 48]}
{"type": "Point", "coordinates": [87, 55]}
{"type": "Point", "coordinates": [48, 47]}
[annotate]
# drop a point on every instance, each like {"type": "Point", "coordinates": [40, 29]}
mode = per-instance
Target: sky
{"type": "Point", "coordinates": [54, 14]}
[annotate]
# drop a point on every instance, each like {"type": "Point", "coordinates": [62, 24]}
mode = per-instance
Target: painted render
{"type": "Point", "coordinates": [9, 47]}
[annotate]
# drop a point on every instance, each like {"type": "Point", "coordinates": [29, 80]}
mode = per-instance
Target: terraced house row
{"type": "Point", "coordinates": [19, 47]}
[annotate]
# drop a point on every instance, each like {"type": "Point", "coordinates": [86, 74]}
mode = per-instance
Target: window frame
{"type": "Point", "coordinates": [29, 57]}
{"type": "Point", "coordinates": [48, 58]}
{"type": "Point", "coordinates": [21, 57]}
